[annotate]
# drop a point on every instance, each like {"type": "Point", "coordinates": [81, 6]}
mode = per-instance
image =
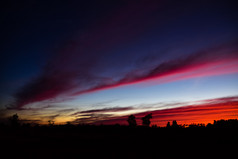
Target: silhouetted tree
{"type": "Point", "coordinates": [154, 126]}
{"type": "Point", "coordinates": [68, 123]}
{"type": "Point", "coordinates": [168, 125]}
{"type": "Point", "coordinates": [209, 125]}
{"type": "Point", "coordinates": [14, 120]}
{"type": "Point", "coordinates": [193, 125]}
{"type": "Point", "coordinates": [230, 123]}
{"type": "Point", "coordinates": [51, 122]}
{"type": "Point", "coordinates": [146, 119]}
{"type": "Point", "coordinates": [175, 125]}
{"type": "Point", "coordinates": [132, 120]}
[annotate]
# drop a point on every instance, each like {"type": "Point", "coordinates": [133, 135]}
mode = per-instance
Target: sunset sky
{"type": "Point", "coordinates": [100, 61]}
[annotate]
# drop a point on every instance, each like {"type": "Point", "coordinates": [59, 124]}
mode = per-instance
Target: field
{"type": "Point", "coordinates": [118, 142]}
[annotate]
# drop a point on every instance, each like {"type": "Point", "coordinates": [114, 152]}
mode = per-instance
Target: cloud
{"type": "Point", "coordinates": [97, 115]}
{"type": "Point", "coordinates": [11, 107]}
{"type": "Point", "coordinates": [104, 110]}
{"type": "Point", "coordinates": [66, 110]}
{"type": "Point", "coordinates": [52, 117]}
{"type": "Point", "coordinates": [75, 63]}
{"type": "Point", "coordinates": [91, 118]}
{"type": "Point", "coordinates": [30, 121]}
{"type": "Point", "coordinates": [74, 71]}
{"type": "Point", "coordinates": [203, 63]}
{"type": "Point", "coordinates": [203, 112]}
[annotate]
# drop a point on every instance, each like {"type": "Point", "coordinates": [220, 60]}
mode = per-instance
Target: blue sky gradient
{"type": "Point", "coordinates": [79, 56]}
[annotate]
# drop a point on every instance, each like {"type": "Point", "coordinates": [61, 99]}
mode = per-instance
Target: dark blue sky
{"type": "Point", "coordinates": [59, 50]}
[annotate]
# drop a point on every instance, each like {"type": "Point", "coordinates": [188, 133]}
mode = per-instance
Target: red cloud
{"type": "Point", "coordinates": [221, 108]}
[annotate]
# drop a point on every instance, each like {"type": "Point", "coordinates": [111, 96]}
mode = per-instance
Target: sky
{"type": "Point", "coordinates": [97, 62]}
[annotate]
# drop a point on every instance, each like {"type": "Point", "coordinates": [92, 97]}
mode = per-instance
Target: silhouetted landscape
{"type": "Point", "coordinates": [118, 79]}
{"type": "Point", "coordinates": [119, 141]}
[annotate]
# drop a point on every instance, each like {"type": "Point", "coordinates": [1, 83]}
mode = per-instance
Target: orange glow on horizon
{"type": "Point", "coordinates": [203, 113]}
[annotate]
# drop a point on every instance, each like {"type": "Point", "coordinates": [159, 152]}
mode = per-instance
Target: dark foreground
{"type": "Point", "coordinates": [118, 142]}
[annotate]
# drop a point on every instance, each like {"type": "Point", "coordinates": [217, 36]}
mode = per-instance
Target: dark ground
{"type": "Point", "coordinates": [118, 142]}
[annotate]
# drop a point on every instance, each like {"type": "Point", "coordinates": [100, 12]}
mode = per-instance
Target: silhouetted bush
{"type": "Point", "coordinates": [51, 122]}
{"type": "Point", "coordinates": [132, 121]}
{"type": "Point", "coordinates": [146, 119]}
{"type": "Point", "coordinates": [209, 125]}
{"type": "Point", "coordinates": [14, 120]}
{"type": "Point", "coordinates": [154, 126]}
{"type": "Point", "coordinates": [196, 125]}
{"type": "Point", "coordinates": [230, 123]}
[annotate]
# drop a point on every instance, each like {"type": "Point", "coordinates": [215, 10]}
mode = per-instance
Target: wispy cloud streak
{"type": "Point", "coordinates": [66, 78]}
{"type": "Point", "coordinates": [89, 61]}
{"type": "Point", "coordinates": [215, 61]}
{"type": "Point", "coordinates": [204, 112]}
{"type": "Point", "coordinates": [104, 110]}
{"type": "Point", "coordinates": [75, 64]}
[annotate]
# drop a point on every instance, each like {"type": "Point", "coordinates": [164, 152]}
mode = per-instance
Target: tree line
{"type": "Point", "coordinates": [230, 123]}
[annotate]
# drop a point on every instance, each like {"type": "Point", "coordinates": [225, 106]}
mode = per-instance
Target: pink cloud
{"type": "Point", "coordinates": [200, 64]}
{"type": "Point", "coordinates": [68, 76]}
